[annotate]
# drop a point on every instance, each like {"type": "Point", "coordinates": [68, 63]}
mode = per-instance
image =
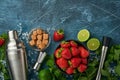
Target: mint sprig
{"type": "Point", "coordinates": [3, 66]}
{"type": "Point", "coordinates": [112, 58]}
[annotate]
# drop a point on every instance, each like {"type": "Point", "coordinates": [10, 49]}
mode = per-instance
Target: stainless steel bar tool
{"type": "Point", "coordinates": [16, 57]}
{"type": "Point", "coordinates": [39, 60]}
{"type": "Point", "coordinates": [106, 42]}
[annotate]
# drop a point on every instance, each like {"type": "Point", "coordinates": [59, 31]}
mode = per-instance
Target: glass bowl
{"type": "Point", "coordinates": [44, 32]}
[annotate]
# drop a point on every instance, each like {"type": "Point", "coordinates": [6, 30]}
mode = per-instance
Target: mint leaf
{"type": "Point", "coordinates": [91, 72]}
{"type": "Point", "coordinates": [116, 55]}
{"type": "Point", "coordinates": [117, 69]}
{"type": "Point", "coordinates": [93, 63]}
{"type": "Point", "coordinates": [106, 64]}
{"type": "Point", "coordinates": [6, 77]}
{"type": "Point", "coordinates": [110, 57]}
{"type": "Point", "coordinates": [50, 63]}
{"type": "Point", "coordinates": [114, 78]}
{"type": "Point", "coordinates": [112, 49]}
{"type": "Point", "coordinates": [76, 76]}
{"type": "Point", "coordinates": [57, 73]}
{"type": "Point", "coordinates": [117, 46]}
{"type": "Point", "coordinates": [105, 73]}
{"type": "Point", "coordinates": [2, 57]}
{"type": "Point", "coordinates": [98, 51]}
{"type": "Point", "coordinates": [62, 78]}
{"type": "Point", "coordinates": [82, 78]}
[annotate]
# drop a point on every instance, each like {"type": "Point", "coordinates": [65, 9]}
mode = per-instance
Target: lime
{"type": "Point", "coordinates": [93, 44]}
{"type": "Point", "coordinates": [83, 35]}
{"type": "Point", "coordinates": [45, 74]}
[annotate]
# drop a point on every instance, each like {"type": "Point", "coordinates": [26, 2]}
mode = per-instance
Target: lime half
{"type": "Point", "coordinates": [93, 44]}
{"type": "Point", "coordinates": [83, 35]}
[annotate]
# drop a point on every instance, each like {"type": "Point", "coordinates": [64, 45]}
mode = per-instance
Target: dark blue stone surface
{"type": "Point", "coordinates": [100, 17]}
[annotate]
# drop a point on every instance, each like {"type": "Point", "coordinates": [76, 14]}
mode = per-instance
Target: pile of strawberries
{"type": "Point", "coordinates": [71, 57]}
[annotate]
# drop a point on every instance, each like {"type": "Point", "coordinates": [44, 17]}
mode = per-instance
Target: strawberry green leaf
{"type": "Point", "coordinates": [60, 31]}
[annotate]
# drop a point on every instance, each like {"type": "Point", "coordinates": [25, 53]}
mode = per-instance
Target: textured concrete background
{"type": "Point", "coordinates": [100, 17]}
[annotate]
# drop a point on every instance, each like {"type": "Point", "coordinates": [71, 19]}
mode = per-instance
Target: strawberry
{"type": "Point", "coordinates": [70, 70]}
{"type": "Point", "coordinates": [58, 52]}
{"type": "Point", "coordinates": [84, 60]}
{"type": "Point", "coordinates": [2, 41]}
{"type": "Point", "coordinates": [66, 53]}
{"type": "Point", "coordinates": [82, 68]}
{"type": "Point", "coordinates": [62, 63]}
{"type": "Point", "coordinates": [75, 62]}
{"type": "Point", "coordinates": [74, 51]}
{"type": "Point", "coordinates": [65, 44]}
{"type": "Point", "coordinates": [83, 52]}
{"type": "Point", "coordinates": [58, 35]}
{"type": "Point", "coordinates": [73, 44]}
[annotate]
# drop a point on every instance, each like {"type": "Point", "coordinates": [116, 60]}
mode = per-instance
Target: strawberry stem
{"type": "Point", "coordinates": [60, 31]}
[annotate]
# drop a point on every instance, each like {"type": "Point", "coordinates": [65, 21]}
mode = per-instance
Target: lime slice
{"type": "Point", "coordinates": [93, 44]}
{"type": "Point", "coordinates": [83, 35]}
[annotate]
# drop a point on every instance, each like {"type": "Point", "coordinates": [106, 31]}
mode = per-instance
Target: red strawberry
{"type": "Point", "coordinates": [73, 44]}
{"type": "Point", "coordinates": [84, 60]}
{"type": "Point", "coordinates": [70, 70]}
{"type": "Point", "coordinates": [66, 53]}
{"type": "Point", "coordinates": [65, 44]}
{"type": "Point", "coordinates": [75, 62]}
{"type": "Point", "coordinates": [58, 35]}
{"type": "Point", "coordinates": [58, 52]}
{"type": "Point", "coordinates": [2, 41]}
{"type": "Point", "coordinates": [82, 68]}
{"type": "Point", "coordinates": [62, 63]}
{"type": "Point", "coordinates": [74, 51]}
{"type": "Point", "coordinates": [83, 52]}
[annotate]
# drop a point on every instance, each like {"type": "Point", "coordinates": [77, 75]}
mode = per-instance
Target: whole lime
{"type": "Point", "coordinates": [45, 75]}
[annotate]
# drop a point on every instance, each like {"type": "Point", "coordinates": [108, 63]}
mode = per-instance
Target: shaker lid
{"type": "Point", "coordinates": [12, 34]}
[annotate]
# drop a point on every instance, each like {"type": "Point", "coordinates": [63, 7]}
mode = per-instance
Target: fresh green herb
{"type": "Point", "coordinates": [117, 69]}
{"type": "Point", "coordinates": [82, 78]}
{"type": "Point", "coordinates": [105, 73]}
{"type": "Point", "coordinates": [3, 68]}
{"type": "Point", "coordinates": [112, 57]}
{"type": "Point", "coordinates": [54, 71]}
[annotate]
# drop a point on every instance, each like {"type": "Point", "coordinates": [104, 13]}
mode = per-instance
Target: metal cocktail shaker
{"type": "Point", "coordinates": [16, 57]}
